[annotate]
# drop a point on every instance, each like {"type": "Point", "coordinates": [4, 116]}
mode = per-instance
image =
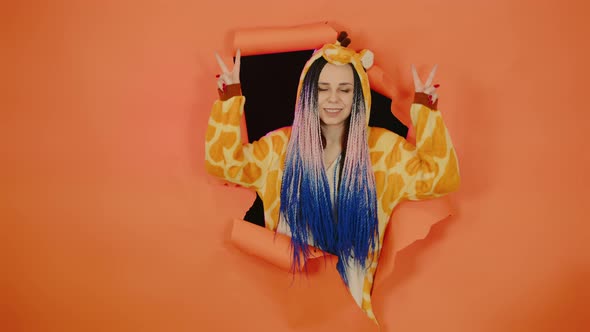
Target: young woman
{"type": "Point", "coordinates": [331, 181]}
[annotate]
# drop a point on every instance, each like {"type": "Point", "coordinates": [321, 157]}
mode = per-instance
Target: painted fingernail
{"type": "Point", "coordinates": [217, 76]}
{"type": "Point", "coordinates": [436, 85]}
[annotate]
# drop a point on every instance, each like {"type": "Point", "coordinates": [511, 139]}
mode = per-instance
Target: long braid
{"type": "Point", "coordinates": [305, 194]}
{"type": "Point", "coordinates": [358, 227]}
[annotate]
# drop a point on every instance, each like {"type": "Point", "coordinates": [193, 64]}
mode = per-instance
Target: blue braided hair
{"type": "Point", "coordinates": [352, 229]}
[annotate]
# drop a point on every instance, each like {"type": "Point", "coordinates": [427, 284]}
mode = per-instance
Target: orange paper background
{"type": "Point", "coordinates": [109, 222]}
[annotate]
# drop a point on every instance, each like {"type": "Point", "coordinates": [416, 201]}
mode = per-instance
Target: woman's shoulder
{"type": "Point", "coordinates": [378, 135]}
{"type": "Point", "coordinates": [278, 139]}
{"type": "Point", "coordinates": [284, 132]}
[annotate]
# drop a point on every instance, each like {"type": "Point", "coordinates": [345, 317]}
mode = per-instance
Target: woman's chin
{"type": "Point", "coordinates": [332, 121]}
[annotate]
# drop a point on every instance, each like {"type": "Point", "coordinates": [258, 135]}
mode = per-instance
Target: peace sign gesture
{"type": "Point", "coordinates": [228, 77]}
{"type": "Point", "coordinates": [426, 87]}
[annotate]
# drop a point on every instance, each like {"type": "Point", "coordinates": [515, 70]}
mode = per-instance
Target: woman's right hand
{"type": "Point", "coordinates": [228, 77]}
{"type": "Point", "coordinates": [427, 88]}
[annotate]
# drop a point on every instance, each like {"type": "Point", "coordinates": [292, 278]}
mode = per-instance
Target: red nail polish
{"type": "Point", "coordinates": [436, 85]}
{"type": "Point", "coordinates": [217, 76]}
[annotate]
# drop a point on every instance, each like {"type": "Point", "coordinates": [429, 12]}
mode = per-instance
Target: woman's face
{"type": "Point", "coordinates": [335, 92]}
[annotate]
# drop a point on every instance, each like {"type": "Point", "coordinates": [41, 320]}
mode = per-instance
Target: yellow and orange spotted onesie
{"type": "Point", "coordinates": [402, 171]}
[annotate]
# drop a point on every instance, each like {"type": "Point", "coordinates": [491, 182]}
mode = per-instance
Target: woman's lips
{"type": "Point", "coordinates": [332, 110]}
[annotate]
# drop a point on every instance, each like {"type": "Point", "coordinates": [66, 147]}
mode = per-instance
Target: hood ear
{"type": "Point", "coordinates": [367, 58]}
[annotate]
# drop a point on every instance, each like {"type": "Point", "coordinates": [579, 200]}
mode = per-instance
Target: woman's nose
{"type": "Point", "coordinates": [333, 96]}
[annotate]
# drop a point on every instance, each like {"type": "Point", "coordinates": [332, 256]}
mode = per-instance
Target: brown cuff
{"type": "Point", "coordinates": [422, 99]}
{"type": "Point", "coordinates": [231, 90]}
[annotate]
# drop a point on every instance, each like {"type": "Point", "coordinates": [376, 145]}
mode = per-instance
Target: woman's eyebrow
{"type": "Point", "coordinates": [326, 83]}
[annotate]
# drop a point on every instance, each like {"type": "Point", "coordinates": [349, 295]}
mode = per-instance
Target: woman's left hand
{"type": "Point", "coordinates": [228, 77]}
{"type": "Point", "coordinates": [426, 87]}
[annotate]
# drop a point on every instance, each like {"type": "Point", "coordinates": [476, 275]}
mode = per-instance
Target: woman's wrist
{"type": "Point", "coordinates": [424, 99]}
{"type": "Point", "coordinates": [231, 90]}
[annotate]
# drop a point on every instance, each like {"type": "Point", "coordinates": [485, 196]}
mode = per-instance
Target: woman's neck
{"type": "Point", "coordinates": [333, 134]}
{"type": "Point", "coordinates": [334, 142]}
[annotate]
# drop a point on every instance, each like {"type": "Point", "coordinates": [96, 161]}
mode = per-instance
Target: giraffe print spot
{"type": "Point", "coordinates": [233, 171]}
{"type": "Point", "coordinates": [374, 135]}
{"type": "Point", "coordinates": [450, 180]}
{"type": "Point", "coordinates": [423, 115]}
{"type": "Point", "coordinates": [395, 184]}
{"type": "Point", "coordinates": [238, 155]}
{"type": "Point", "coordinates": [422, 162]}
{"type": "Point", "coordinates": [424, 186]}
{"type": "Point", "coordinates": [409, 146]}
{"type": "Point", "coordinates": [234, 117]}
{"type": "Point", "coordinates": [426, 146]}
{"type": "Point", "coordinates": [380, 181]}
{"type": "Point", "coordinates": [250, 173]}
{"type": "Point", "coordinates": [225, 140]}
{"type": "Point", "coordinates": [439, 139]}
{"type": "Point", "coordinates": [214, 170]}
{"type": "Point", "coordinates": [210, 133]}
{"type": "Point", "coordinates": [270, 195]}
{"type": "Point", "coordinates": [277, 144]}
{"type": "Point", "coordinates": [394, 156]}
{"type": "Point", "coordinates": [231, 116]}
{"type": "Point", "coordinates": [413, 166]}
{"type": "Point", "coordinates": [376, 156]}
{"type": "Point", "coordinates": [217, 114]}
{"type": "Point", "coordinates": [260, 149]}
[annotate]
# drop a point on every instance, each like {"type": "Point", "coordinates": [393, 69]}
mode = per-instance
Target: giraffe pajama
{"type": "Point", "coordinates": [402, 171]}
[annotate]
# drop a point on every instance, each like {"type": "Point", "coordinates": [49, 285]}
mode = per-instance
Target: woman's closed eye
{"type": "Point", "coordinates": [341, 90]}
